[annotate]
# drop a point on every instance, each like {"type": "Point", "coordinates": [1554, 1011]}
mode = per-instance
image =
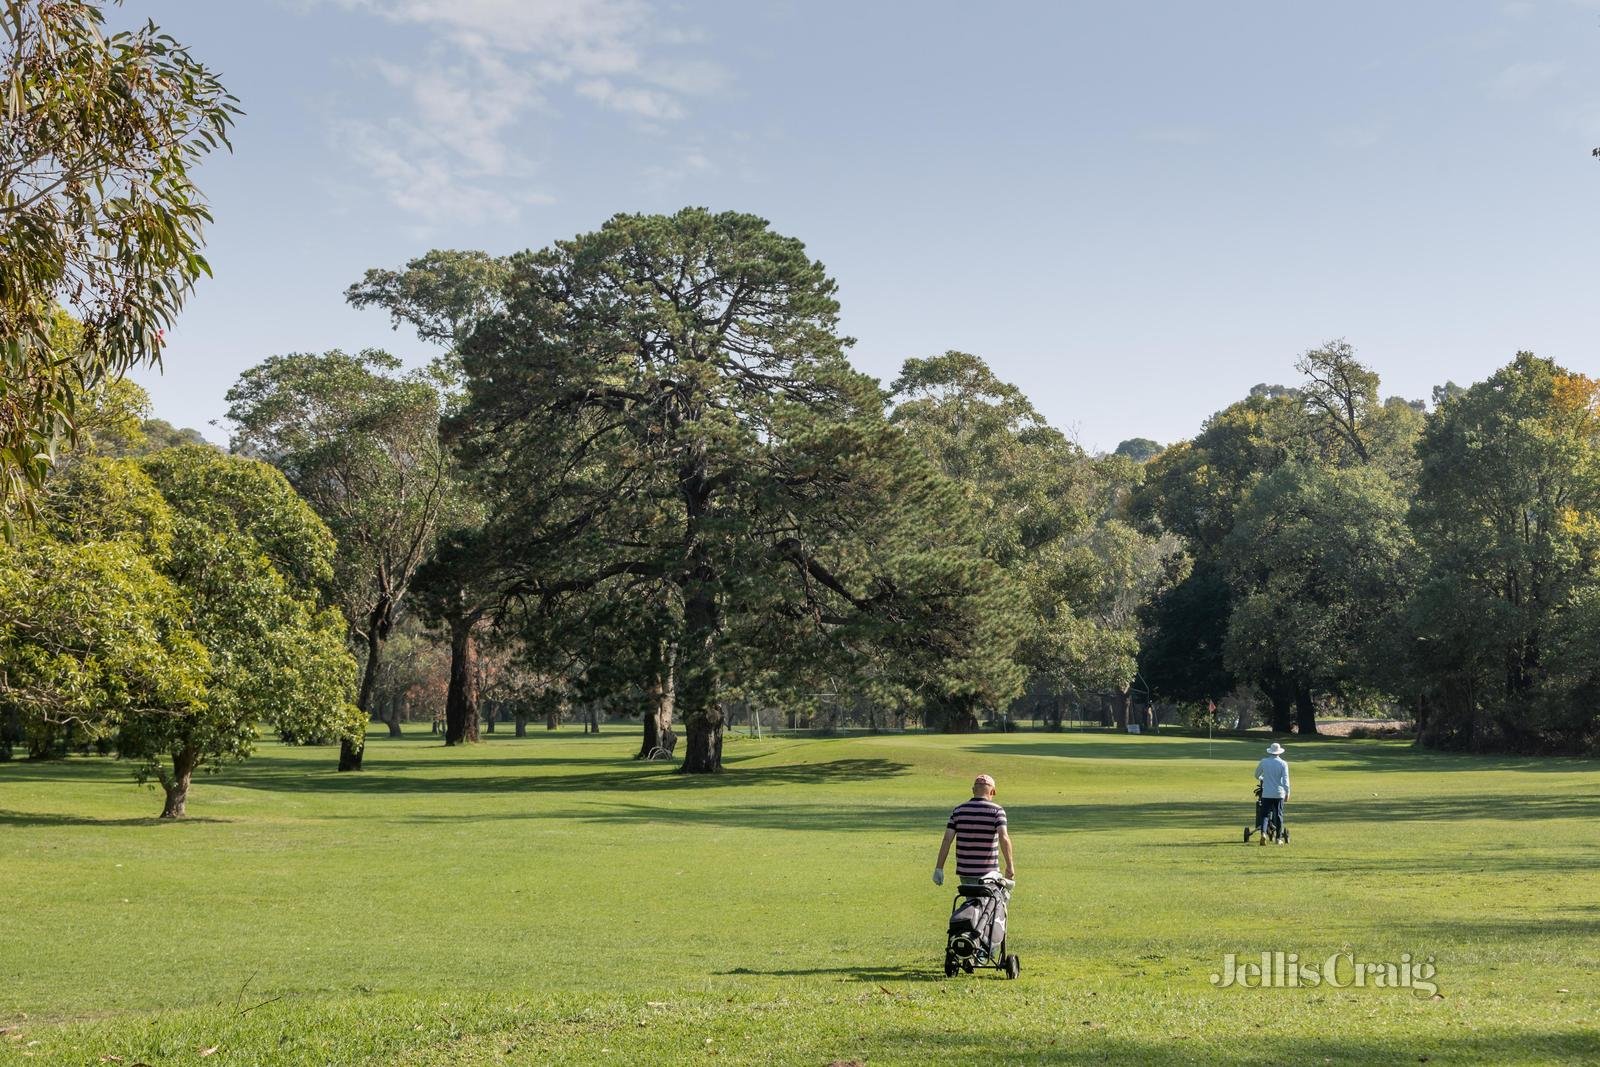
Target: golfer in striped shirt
{"type": "Point", "coordinates": [978, 828]}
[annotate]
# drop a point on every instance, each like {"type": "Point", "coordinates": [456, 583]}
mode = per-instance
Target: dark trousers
{"type": "Point", "coordinates": [1271, 810]}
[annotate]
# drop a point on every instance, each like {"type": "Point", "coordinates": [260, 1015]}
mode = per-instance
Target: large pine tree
{"type": "Point", "coordinates": [667, 401]}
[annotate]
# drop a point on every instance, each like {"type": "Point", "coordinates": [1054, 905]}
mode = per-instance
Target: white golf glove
{"type": "Point", "coordinates": [938, 876]}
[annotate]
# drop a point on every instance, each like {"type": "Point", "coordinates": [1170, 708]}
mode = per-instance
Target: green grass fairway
{"type": "Point", "coordinates": [548, 900]}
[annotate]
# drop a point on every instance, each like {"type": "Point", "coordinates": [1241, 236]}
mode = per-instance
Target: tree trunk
{"type": "Point", "coordinates": [461, 701]}
{"type": "Point", "coordinates": [659, 738]}
{"type": "Point", "coordinates": [522, 724]}
{"type": "Point", "coordinates": [352, 751]}
{"type": "Point", "coordinates": [960, 716]}
{"type": "Point", "coordinates": [1282, 710]}
{"type": "Point", "coordinates": [1108, 715]}
{"type": "Point", "coordinates": [592, 723]}
{"type": "Point", "coordinates": [1124, 708]}
{"type": "Point", "coordinates": [10, 731]}
{"type": "Point", "coordinates": [552, 719]}
{"type": "Point", "coordinates": [393, 719]}
{"type": "Point", "coordinates": [176, 785]}
{"type": "Point", "coordinates": [697, 683]}
{"type": "Point", "coordinates": [703, 747]}
{"type": "Point", "coordinates": [1305, 711]}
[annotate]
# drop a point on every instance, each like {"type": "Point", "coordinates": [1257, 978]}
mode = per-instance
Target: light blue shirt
{"type": "Point", "coordinates": [1274, 775]}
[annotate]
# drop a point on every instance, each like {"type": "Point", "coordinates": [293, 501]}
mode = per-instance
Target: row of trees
{"type": "Point", "coordinates": [644, 472]}
{"type": "Point", "coordinates": [642, 475]}
{"type": "Point", "coordinates": [1342, 549]}
{"type": "Point", "coordinates": [164, 602]}
{"type": "Point", "coordinates": [654, 446]}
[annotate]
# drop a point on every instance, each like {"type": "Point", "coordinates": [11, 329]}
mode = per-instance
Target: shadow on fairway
{"type": "Point", "coordinates": [846, 974]}
{"type": "Point", "coordinates": [296, 775]}
{"type": "Point", "coordinates": [1328, 753]}
{"type": "Point", "coordinates": [1224, 818]}
{"type": "Point", "coordinates": [1082, 1039]}
{"type": "Point", "coordinates": [46, 818]}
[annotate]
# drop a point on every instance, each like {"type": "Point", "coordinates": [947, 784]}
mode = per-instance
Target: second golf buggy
{"type": "Point", "coordinates": [977, 934]}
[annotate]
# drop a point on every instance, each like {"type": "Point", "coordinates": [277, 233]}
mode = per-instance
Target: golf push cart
{"type": "Point", "coordinates": [977, 936]}
{"type": "Point", "coordinates": [1274, 829]}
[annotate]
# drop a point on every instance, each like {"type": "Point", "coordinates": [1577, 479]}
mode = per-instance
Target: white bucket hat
{"type": "Point", "coordinates": [1274, 749]}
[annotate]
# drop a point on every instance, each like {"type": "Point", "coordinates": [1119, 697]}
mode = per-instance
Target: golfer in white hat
{"type": "Point", "coordinates": [1273, 774]}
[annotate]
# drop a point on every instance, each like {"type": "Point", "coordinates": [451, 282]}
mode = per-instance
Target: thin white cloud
{"type": "Point", "coordinates": [690, 77]}
{"type": "Point", "coordinates": [689, 164]}
{"type": "Point", "coordinates": [428, 186]}
{"type": "Point", "coordinates": [644, 102]}
{"type": "Point", "coordinates": [1522, 80]}
{"type": "Point", "coordinates": [596, 36]}
{"type": "Point", "coordinates": [448, 151]}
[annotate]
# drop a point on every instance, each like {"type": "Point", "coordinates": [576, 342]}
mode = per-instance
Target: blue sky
{"type": "Point", "coordinates": [1133, 210]}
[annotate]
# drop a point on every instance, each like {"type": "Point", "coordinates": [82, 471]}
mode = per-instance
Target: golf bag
{"type": "Point", "coordinates": [977, 933]}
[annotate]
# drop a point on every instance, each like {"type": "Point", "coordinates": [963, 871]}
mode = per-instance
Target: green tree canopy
{"type": "Point", "coordinates": [1049, 518]}
{"type": "Point", "coordinates": [668, 400]}
{"type": "Point", "coordinates": [149, 607]}
{"type": "Point", "coordinates": [444, 295]}
{"type": "Point", "coordinates": [1507, 513]}
{"type": "Point", "coordinates": [1139, 449]}
{"type": "Point", "coordinates": [1319, 561]}
{"type": "Point", "coordinates": [361, 444]}
{"type": "Point", "coordinates": [98, 211]}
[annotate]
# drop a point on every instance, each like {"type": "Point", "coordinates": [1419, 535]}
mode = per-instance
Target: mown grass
{"type": "Point", "coordinates": [548, 900]}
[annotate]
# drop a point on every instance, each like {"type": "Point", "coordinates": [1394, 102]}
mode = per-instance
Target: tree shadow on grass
{"type": "Point", "coordinates": [1224, 818]}
{"type": "Point", "coordinates": [1327, 753]}
{"type": "Point", "coordinates": [1087, 1042]}
{"type": "Point", "coordinates": [47, 818]}
{"type": "Point", "coordinates": [930, 973]}
{"type": "Point", "coordinates": [624, 776]}
{"type": "Point", "coordinates": [1478, 931]}
{"type": "Point", "coordinates": [449, 763]}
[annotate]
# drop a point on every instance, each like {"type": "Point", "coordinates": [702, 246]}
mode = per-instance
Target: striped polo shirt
{"type": "Point", "coordinates": [977, 824]}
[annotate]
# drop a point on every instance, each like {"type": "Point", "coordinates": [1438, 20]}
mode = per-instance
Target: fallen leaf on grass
{"type": "Point", "coordinates": [212, 1051]}
{"type": "Point", "coordinates": [1563, 991]}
